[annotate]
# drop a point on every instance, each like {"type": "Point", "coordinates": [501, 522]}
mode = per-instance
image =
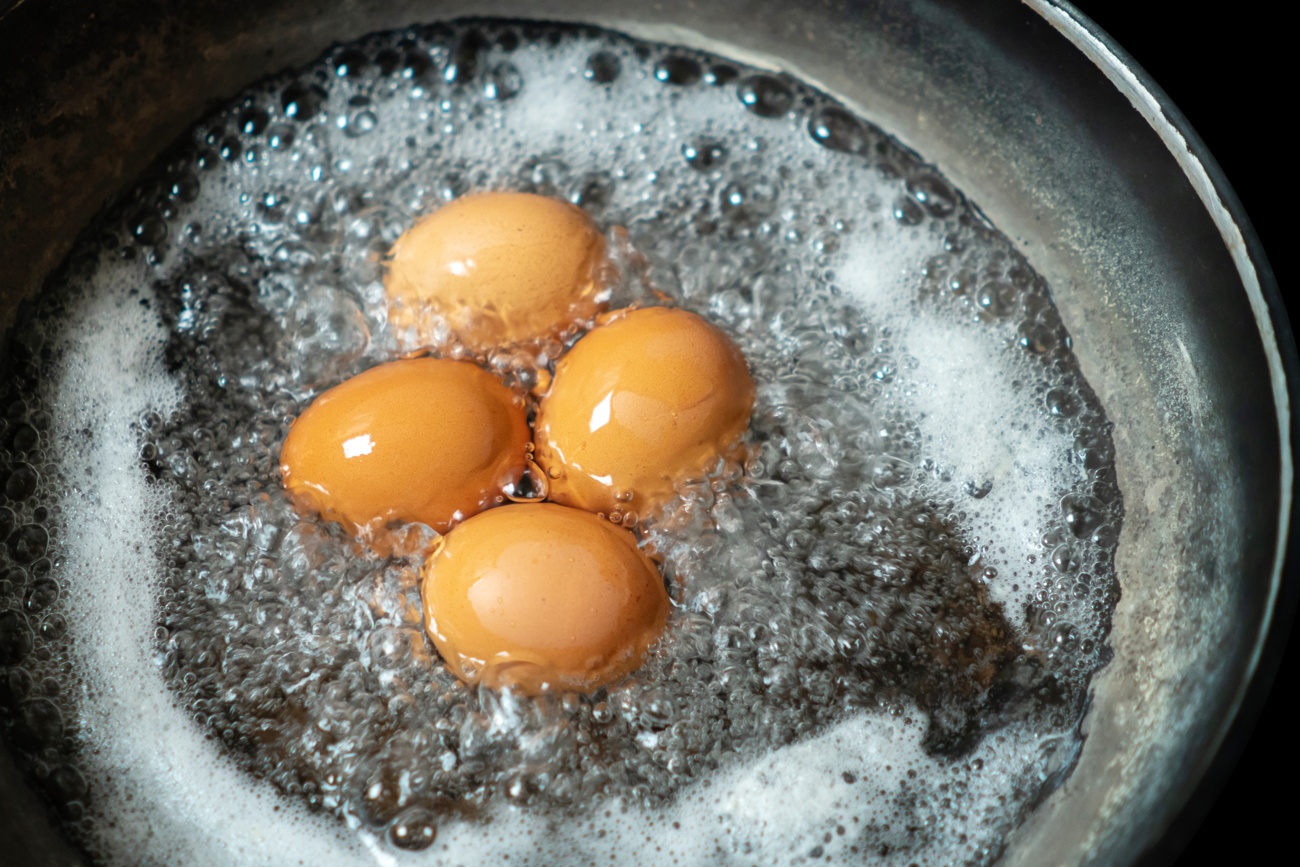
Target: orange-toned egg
{"type": "Point", "coordinates": [498, 269]}
{"type": "Point", "coordinates": [424, 439]}
{"type": "Point", "coordinates": [637, 406]}
{"type": "Point", "coordinates": [540, 595]}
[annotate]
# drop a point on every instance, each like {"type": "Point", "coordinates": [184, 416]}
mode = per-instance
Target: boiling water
{"type": "Point", "coordinates": [883, 626]}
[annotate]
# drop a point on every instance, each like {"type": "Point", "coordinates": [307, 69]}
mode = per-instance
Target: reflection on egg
{"type": "Point", "coordinates": [497, 269]}
{"type": "Point", "coordinates": [637, 406]}
{"type": "Point", "coordinates": [538, 595]}
{"type": "Point", "coordinates": [425, 440]}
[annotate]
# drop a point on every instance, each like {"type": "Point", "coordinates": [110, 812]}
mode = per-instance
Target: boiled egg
{"type": "Point", "coordinates": [540, 596]}
{"type": "Point", "coordinates": [641, 403]}
{"type": "Point", "coordinates": [427, 440]}
{"type": "Point", "coordinates": [497, 269]}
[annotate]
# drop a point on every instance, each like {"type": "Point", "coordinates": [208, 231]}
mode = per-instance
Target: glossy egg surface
{"type": "Point", "coordinates": [542, 595]}
{"type": "Point", "coordinates": [639, 404]}
{"type": "Point", "coordinates": [426, 440]}
{"type": "Point", "coordinates": [497, 268]}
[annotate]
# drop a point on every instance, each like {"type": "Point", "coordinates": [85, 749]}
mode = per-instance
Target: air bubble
{"type": "Point", "coordinates": [765, 95]}
{"type": "Point", "coordinates": [907, 212]}
{"type": "Point", "coordinates": [960, 282]}
{"type": "Point", "coordinates": [28, 543]}
{"type": "Point", "coordinates": [413, 830]}
{"type": "Point", "coordinates": [602, 713]}
{"type": "Point", "coordinates": [1062, 403]}
{"type": "Point", "coordinates": [749, 202]}
{"type": "Point", "coordinates": [360, 119]}
{"type": "Point", "coordinates": [704, 154]}
{"type": "Point", "coordinates": [1106, 536]}
{"type": "Point", "coordinates": [149, 229]}
{"type": "Point", "coordinates": [302, 102]}
{"type": "Point", "coordinates": [835, 128]}
{"type": "Point", "coordinates": [41, 595]}
{"type": "Point", "coordinates": [826, 243]}
{"type": "Point", "coordinates": [503, 82]}
{"type": "Point", "coordinates": [593, 191]}
{"type": "Point", "coordinates": [350, 63]}
{"type": "Point", "coordinates": [933, 193]}
{"type": "Point", "coordinates": [1064, 559]}
{"type": "Point", "coordinates": [995, 298]}
{"type": "Point", "coordinates": [252, 121]}
{"type": "Point", "coordinates": [185, 188]}
{"type": "Point", "coordinates": [230, 150]}
{"type": "Point", "coordinates": [21, 483]}
{"type": "Point", "coordinates": [548, 175]}
{"type": "Point", "coordinates": [679, 70]}
{"type": "Point", "coordinates": [720, 74]}
{"type": "Point", "coordinates": [25, 438]}
{"type": "Point", "coordinates": [889, 472]}
{"type": "Point", "coordinates": [66, 785]}
{"type": "Point", "coordinates": [416, 65]}
{"type": "Point", "coordinates": [464, 61]}
{"type": "Point", "coordinates": [602, 68]}
{"type": "Point", "coordinates": [1083, 514]}
{"type": "Point", "coordinates": [1093, 448]}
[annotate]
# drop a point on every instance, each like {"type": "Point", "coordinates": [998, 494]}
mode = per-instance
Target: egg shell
{"type": "Point", "coordinates": [425, 439]}
{"type": "Point", "coordinates": [498, 268]}
{"type": "Point", "coordinates": [540, 596]}
{"type": "Point", "coordinates": [640, 404]}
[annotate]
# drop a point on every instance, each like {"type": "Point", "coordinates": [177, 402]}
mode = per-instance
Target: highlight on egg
{"type": "Point", "coordinates": [427, 440]}
{"type": "Point", "coordinates": [496, 269]}
{"type": "Point", "coordinates": [647, 400]}
{"type": "Point", "coordinates": [540, 596]}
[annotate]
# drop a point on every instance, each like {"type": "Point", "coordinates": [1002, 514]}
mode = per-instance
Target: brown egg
{"type": "Point", "coordinates": [497, 269]}
{"type": "Point", "coordinates": [542, 596]}
{"type": "Point", "coordinates": [638, 405]}
{"type": "Point", "coordinates": [425, 440]}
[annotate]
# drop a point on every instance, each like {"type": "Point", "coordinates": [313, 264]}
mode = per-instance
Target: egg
{"type": "Point", "coordinates": [640, 404]}
{"type": "Point", "coordinates": [498, 268]}
{"type": "Point", "coordinates": [428, 440]}
{"type": "Point", "coordinates": [540, 596]}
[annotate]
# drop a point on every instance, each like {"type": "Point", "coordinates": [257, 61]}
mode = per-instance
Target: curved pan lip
{"type": "Point", "coordinates": [1278, 339]}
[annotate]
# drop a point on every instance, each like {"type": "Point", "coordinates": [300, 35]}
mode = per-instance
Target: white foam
{"type": "Point", "coordinates": [980, 427]}
{"type": "Point", "coordinates": [969, 390]}
{"type": "Point", "coordinates": [170, 794]}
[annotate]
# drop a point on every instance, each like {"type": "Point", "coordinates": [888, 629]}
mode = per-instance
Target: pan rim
{"type": "Point", "coordinates": [1277, 341]}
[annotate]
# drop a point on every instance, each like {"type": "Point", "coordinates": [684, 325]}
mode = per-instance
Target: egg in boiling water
{"type": "Point", "coordinates": [641, 403]}
{"type": "Point", "coordinates": [498, 268]}
{"type": "Point", "coordinates": [428, 440]}
{"type": "Point", "coordinates": [542, 595]}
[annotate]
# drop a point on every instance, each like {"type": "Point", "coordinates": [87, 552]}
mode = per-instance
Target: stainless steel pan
{"type": "Point", "coordinates": [1035, 113]}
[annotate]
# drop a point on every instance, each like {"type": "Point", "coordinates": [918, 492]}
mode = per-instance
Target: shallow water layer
{"type": "Point", "coordinates": [887, 617]}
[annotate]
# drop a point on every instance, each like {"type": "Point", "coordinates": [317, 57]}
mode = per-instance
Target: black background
{"type": "Point", "coordinates": [1223, 66]}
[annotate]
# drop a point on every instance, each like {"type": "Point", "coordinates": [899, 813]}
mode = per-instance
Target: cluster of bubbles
{"type": "Point", "coordinates": [860, 566]}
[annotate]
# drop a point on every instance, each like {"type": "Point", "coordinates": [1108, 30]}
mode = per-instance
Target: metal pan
{"type": "Point", "coordinates": [1235, 793]}
{"type": "Point", "coordinates": [1033, 111]}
